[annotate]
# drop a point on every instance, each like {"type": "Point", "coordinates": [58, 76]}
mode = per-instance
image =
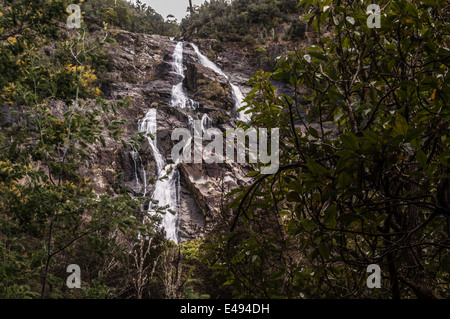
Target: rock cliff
{"type": "Point", "coordinates": [142, 70]}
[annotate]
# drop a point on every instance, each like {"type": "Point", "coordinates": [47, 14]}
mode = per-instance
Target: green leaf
{"type": "Point", "coordinates": [252, 174]}
{"type": "Point", "coordinates": [330, 216]}
{"type": "Point", "coordinates": [316, 169]}
{"type": "Point", "coordinates": [344, 179]}
{"type": "Point", "coordinates": [421, 158]}
{"type": "Point", "coordinates": [110, 40]}
{"type": "Point", "coordinates": [308, 224]}
{"type": "Point", "coordinates": [319, 55]}
{"type": "Point", "coordinates": [350, 141]}
{"type": "Point", "coordinates": [307, 16]}
{"type": "Point", "coordinates": [293, 197]}
{"type": "Point", "coordinates": [313, 132]}
{"type": "Point", "coordinates": [401, 126]}
{"type": "Point", "coordinates": [324, 250]}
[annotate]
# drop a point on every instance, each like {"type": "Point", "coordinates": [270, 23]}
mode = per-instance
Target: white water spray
{"type": "Point", "coordinates": [179, 97]}
{"type": "Point", "coordinates": [238, 97]}
{"type": "Point", "coordinates": [168, 184]}
{"type": "Point", "coordinates": [167, 187]}
{"type": "Point", "coordinates": [206, 122]}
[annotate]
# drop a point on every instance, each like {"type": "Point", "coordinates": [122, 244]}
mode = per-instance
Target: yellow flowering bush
{"type": "Point", "coordinates": [12, 40]}
{"type": "Point", "coordinates": [71, 77]}
{"type": "Point", "coordinates": [9, 93]}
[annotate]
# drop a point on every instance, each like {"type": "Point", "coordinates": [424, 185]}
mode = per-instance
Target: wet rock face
{"type": "Point", "coordinates": [143, 72]}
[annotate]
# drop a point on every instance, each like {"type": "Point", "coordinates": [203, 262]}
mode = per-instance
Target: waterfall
{"type": "Point", "coordinates": [238, 97]}
{"type": "Point", "coordinates": [133, 156]}
{"type": "Point", "coordinates": [167, 187]}
{"type": "Point", "coordinates": [137, 161]}
{"type": "Point", "coordinates": [206, 122]}
{"type": "Point", "coordinates": [148, 125]}
{"type": "Point", "coordinates": [179, 97]}
{"type": "Point", "coordinates": [238, 102]}
{"type": "Point", "coordinates": [168, 183]}
{"type": "Point", "coordinates": [207, 62]}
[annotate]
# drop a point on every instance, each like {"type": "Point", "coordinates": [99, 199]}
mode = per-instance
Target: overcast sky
{"type": "Point", "coordinates": [175, 7]}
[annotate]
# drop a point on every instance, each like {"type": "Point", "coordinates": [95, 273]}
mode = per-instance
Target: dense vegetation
{"type": "Point", "coordinates": [52, 111]}
{"type": "Point", "coordinates": [364, 172]}
{"type": "Point", "coordinates": [133, 16]}
{"type": "Point", "coordinates": [364, 157]}
{"type": "Point", "coordinates": [244, 20]}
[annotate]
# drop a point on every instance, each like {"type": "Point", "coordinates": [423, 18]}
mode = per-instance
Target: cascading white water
{"type": "Point", "coordinates": [167, 187]}
{"type": "Point", "coordinates": [168, 183]}
{"type": "Point", "coordinates": [137, 161]}
{"type": "Point", "coordinates": [148, 125]}
{"type": "Point", "coordinates": [133, 156]}
{"type": "Point", "coordinates": [238, 102]}
{"type": "Point", "coordinates": [207, 62]}
{"type": "Point", "coordinates": [179, 97]}
{"type": "Point", "coordinates": [206, 122]}
{"type": "Point", "coordinates": [238, 97]}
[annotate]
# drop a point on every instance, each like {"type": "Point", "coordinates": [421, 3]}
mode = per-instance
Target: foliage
{"type": "Point", "coordinates": [30, 18]}
{"type": "Point", "coordinates": [297, 30]}
{"type": "Point", "coordinates": [364, 168]}
{"type": "Point", "coordinates": [51, 114]}
{"type": "Point", "coordinates": [130, 16]}
{"type": "Point", "coordinates": [232, 21]}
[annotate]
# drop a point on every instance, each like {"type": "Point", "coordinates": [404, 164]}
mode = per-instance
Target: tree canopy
{"type": "Point", "coordinates": [364, 157]}
{"type": "Point", "coordinates": [52, 111]}
{"type": "Point", "coordinates": [364, 162]}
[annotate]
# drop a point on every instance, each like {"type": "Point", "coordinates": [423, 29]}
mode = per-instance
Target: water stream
{"type": "Point", "coordinates": [179, 97]}
{"type": "Point", "coordinates": [167, 187]}
{"type": "Point", "coordinates": [236, 92]}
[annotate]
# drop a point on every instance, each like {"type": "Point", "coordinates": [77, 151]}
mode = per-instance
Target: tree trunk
{"type": "Point", "coordinates": [191, 9]}
{"type": "Point", "coordinates": [393, 276]}
{"type": "Point", "coordinates": [49, 257]}
{"type": "Point", "coordinates": [416, 274]}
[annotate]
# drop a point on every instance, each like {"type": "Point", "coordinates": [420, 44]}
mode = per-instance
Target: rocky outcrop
{"type": "Point", "coordinates": [142, 71]}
